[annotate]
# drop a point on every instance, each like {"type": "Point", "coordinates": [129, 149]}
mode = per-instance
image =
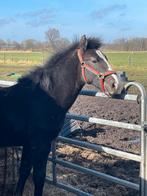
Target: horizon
{"type": "Point", "coordinates": [107, 20]}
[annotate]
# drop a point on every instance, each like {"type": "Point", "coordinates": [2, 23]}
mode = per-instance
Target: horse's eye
{"type": "Point", "coordinates": [94, 61]}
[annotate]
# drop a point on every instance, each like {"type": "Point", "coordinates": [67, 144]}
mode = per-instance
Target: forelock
{"type": "Point", "coordinates": [94, 43]}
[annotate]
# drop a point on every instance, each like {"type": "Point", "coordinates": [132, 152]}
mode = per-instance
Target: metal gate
{"type": "Point", "coordinates": [142, 158]}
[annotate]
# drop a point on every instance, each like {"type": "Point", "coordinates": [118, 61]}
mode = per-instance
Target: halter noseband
{"type": "Point", "coordinates": [100, 75]}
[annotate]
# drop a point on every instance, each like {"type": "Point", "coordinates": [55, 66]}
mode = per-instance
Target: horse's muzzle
{"type": "Point", "coordinates": [114, 84]}
{"type": "Point", "coordinates": [122, 79]}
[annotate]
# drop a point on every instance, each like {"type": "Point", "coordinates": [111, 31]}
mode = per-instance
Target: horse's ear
{"type": "Point", "coordinates": [83, 43]}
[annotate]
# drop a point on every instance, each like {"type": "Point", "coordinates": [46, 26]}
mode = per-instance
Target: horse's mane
{"type": "Point", "coordinates": [92, 43]}
{"type": "Point", "coordinates": [35, 74]}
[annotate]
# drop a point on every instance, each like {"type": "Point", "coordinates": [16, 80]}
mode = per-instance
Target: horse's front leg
{"type": "Point", "coordinates": [39, 167]}
{"type": "Point", "coordinates": [25, 168]}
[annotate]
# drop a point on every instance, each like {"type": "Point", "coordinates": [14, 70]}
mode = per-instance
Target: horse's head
{"type": "Point", "coordinates": [95, 67]}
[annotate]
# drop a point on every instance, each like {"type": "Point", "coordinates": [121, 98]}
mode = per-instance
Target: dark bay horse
{"type": "Point", "coordinates": [32, 112]}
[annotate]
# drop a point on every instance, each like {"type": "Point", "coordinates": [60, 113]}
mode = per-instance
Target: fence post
{"type": "Point", "coordinates": [143, 175]}
{"type": "Point", "coordinates": [4, 59]}
{"type": "Point", "coordinates": [143, 164]}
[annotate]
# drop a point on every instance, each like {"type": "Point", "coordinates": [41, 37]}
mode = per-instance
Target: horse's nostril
{"type": "Point", "coordinates": [115, 85]}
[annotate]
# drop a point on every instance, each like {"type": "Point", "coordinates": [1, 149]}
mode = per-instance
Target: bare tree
{"type": "Point", "coordinates": [16, 45]}
{"type": "Point", "coordinates": [55, 41]}
{"type": "Point", "coordinates": [53, 36]}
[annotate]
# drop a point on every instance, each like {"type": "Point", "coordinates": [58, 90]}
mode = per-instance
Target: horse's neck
{"type": "Point", "coordinates": [66, 85]}
{"type": "Point", "coordinates": [71, 95]}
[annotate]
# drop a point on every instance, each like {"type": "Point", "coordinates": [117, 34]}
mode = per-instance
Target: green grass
{"type": "Point", "coordinates": [128, 59]}
{"type": "Point", "coordinates": [22, 58]}
{"type": "Point", "coordinates": [133, 63]}
{"type": "Point", "coordinates": [19, 62]}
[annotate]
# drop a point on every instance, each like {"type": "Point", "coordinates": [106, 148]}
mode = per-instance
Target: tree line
{"type": "Point", "coordinates": [55, 42]}
{"type": "Point", "coordinates": [133, 44]}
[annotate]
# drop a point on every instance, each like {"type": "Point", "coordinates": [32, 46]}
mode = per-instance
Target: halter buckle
{"type": "Point", "coordinates": [101, 76]}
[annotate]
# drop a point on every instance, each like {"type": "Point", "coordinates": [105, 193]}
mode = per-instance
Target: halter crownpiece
{"type": "Point", "coordinates": [100, 75]}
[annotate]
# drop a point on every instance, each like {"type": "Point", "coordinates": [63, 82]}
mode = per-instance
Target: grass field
{"type": "Point", "coordinates": [22, 57]}
{"type": "Point", "coordinates": [134, 63]}
{"type": "Point", "coordinates": [19, 63]}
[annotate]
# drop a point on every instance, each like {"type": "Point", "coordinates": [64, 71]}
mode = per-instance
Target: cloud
{"type": "Point", "coordinates": [102, 13]}
{"type": "Point", "coordinates": [37, 18]}
{"type": "Point", "coordinates": [6, 21]}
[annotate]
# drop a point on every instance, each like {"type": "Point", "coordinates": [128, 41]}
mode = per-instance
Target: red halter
{"type": "Point", "coordinates": [100, 75]}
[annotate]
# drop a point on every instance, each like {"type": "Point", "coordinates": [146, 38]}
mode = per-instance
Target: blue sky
{"type": "Point", "coordinates": [106, 19]}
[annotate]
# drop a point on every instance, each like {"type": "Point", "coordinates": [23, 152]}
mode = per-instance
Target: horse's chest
{"type": "Point", "coordinates": [46, 119]}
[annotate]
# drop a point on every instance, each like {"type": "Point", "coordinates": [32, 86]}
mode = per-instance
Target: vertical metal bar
{"type": "Point", "coordinates": [143, 164]}
{"type": "Point", "coordinates": [54, 173]}
{"type": "Point", "coordinates": [143, 174]}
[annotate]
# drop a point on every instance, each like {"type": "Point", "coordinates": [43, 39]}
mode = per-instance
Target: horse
{"type": "Point", "coordinates": [32, 111]}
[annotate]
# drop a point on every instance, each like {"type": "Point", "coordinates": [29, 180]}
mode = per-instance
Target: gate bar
{"type": "Point", "coordinates": [104, 122]}
{"type": "Point", "coordinates": [97, 174]}
{"type": "Point", "coordinates": [101, 148]}
{"type": "Point", "coordinates": [67, 187]}
{"type": "Point", "coordinates": [100, 94]}
{"type": "Point", "coordinates": [6, 83]}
